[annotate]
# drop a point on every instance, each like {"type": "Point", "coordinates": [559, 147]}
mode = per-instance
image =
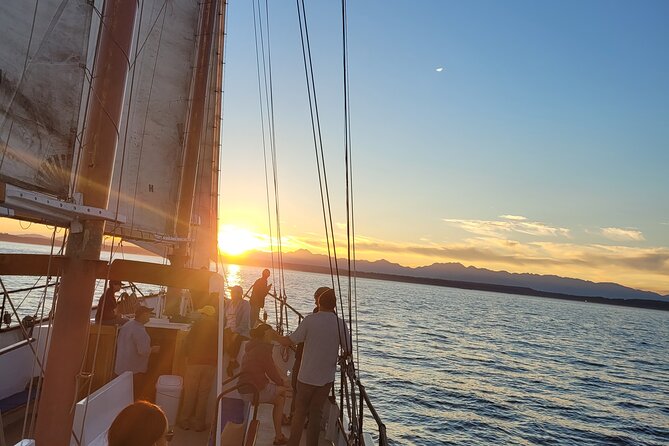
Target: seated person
{"type": "Point", "coordinates": [236, 328]}
{"type": "Point", "coordinates": [139, 424]}
{"type": "Point", "coordinates": [257, 369]}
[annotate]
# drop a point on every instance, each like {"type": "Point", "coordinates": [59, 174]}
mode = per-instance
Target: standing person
{"type": "Point", "coordinates": [300, 350]}
{"type": "Point", "coordinates": [322, 333]}
{"type": "Point", "coordinates": [133, 348]}
{"type": "Point", "coordinates": [237, 325]}
{"type": "Point", "coordinates": [258, 369]}
{"type": "Point", "coordinates": [107, 311]}
{"type": "Point", "coordinates": [260, 289]}
{"type": "Point", "coordinates": [201, 355]}
{"type": "Point", "coordinates": [139, 424]}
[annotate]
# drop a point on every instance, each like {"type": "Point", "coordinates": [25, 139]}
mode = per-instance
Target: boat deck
{"type": "Point", "coordinates": [264, 437]}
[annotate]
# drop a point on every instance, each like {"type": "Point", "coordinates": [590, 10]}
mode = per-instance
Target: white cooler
{"type": "Point", "coordinates": [168, 396]}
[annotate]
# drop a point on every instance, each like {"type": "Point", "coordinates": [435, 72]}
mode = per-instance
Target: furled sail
{"type": "Point", "coordinates": [42, 58]}
{"type": "Point", "coordinates": [205, 205]}
{"type": "Point", "coordinates": [145, 186]}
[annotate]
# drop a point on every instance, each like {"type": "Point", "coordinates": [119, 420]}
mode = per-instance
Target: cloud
{"type": "Point", "coordinates": [439, 69]}
{"type": "Point", "coordinates": [510, 224]}
{"type": "Point", "coordinates": [622, 235]}
{"type": "Point", "coordinates": [513, 217]}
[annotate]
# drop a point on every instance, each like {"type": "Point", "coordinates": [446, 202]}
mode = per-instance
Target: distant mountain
{"type": "Point", "coordinates": [445, 274]}
{"type": "Point", "coordinates": [456, 272]}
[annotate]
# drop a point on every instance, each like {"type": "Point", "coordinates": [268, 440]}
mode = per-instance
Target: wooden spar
{"type": "Point", "coordinates": [179, 256]}
{"type": "Point", "coordinates": [72, 312]}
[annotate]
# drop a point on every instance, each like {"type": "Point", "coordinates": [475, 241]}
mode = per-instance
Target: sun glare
{"type": "Point", "coordinates": [234, 241]}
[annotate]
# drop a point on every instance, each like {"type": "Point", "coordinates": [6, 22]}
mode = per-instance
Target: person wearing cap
{"type": "Point", "coordinates": [259, 290]}
{"type": "Point", "coordinates": [322, 333]}
{"type": "Point", "coordinates": [201, 355]}
{"type": "Point", "coordinates": [133, 348]}
{"type": "Point", "coordinates": [300, 350]}
{"type": "Point", "coordinates": [237, 325]}
{"type": "Point", "coordinates": [107, 312]}
{"type": "Point", "coordinates": [257, 370]}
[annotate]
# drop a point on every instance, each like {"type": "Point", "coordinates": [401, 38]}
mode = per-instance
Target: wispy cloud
{"type": "Point", "coordinates": [509, 224]}
{"type": "Point", "coordinates": [622, 234]}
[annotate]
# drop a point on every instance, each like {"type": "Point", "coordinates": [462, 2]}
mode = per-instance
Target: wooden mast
{"type": "Point", "coordinates": [72, 312]}
{"type": "Point", "coordinates": [192, 147]}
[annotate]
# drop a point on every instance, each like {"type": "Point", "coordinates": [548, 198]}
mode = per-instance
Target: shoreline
{"type": "Point", "coordinates": [478, 286]}
{"type": "Point", "coordinates": [505, 289]}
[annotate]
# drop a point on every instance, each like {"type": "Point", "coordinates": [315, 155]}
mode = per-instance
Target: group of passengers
{"type": "Point", "coordinates": [318, 338]}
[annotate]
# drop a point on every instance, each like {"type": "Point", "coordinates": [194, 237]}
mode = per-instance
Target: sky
{"type": "Point", "coordinates": [521, 136]}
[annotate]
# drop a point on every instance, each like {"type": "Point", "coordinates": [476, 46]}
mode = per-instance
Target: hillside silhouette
{"type": "Point", "coordinates": [457, 275]}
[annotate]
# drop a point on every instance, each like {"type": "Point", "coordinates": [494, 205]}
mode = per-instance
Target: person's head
{"type": "Point", "coordinates": [207, 310]}
{"type": "Point", "coordinates": [236, 292]}
{"type": "Point", "coordinates": [115, 285]}
{"type": "Point", "coordinates": [319, 292]}
{"type": "Point", "coordinates": [265, 273]}
{"type": "Point", "coordinates": [143, 314]}
{"type": "Point", "coordinates": [262, 332]}
{"type": "Point", "coordinates": [327, 301]}
{"type": "Point", "coordinates": [139, 424]}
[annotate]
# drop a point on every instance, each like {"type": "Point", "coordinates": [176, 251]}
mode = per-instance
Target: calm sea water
{"type": "Point", "coordinates": [447, 366]}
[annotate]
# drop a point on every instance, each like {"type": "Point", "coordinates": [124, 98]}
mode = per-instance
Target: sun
{"type": "Point", "coordinates": [234, 241]}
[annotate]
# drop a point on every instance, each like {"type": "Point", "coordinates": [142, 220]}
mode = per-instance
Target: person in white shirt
{"type": "Point", "coordinates": [237, 325]}
{"type": "Point", "coordinates": [133, 348]}
{"type": "Point", "coordinates": [322, 333]}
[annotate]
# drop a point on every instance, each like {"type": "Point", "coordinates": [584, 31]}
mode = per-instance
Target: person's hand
{"type": "Point", "coordinates": [155, 348]}
{"type": "Point", "coordinates": [269, 286]}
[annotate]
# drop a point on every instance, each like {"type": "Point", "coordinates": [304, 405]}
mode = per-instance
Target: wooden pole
{"type": "Point", "coordinates": [72, 312]}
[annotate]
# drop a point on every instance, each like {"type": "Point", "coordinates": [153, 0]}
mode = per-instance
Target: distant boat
{"type": "Point", "coordinates": [110, 126]}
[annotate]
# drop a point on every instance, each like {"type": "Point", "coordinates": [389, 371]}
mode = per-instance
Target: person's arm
{"type": "Point", "coordinates": [142, 343]}
{"type": "Point", "coordinates": [295, 338]}
{"type": "Point", "coordinates": [283, 340]}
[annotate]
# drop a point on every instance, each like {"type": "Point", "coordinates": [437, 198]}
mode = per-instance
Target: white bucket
{"type": "Point", "coordinates": [168, 396]}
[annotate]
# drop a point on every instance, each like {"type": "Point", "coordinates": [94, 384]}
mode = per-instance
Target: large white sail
{"type": "Point", "coordinates": [42, 71]}
{"type": "Point", "coordinates": [147, 172]}
{"type": "Point", "coordinates": [204, 232]}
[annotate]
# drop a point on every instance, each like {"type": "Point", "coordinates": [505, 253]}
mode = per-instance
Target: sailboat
{"type": "Point", "coordinates": [110, 127]}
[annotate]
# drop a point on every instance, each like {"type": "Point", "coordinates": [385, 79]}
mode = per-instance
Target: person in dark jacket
{"type": "Point", "coordinates": [259, 290]}
{"type": "Point", "coordinates": [201, 356]}
{"type": "Point", "coordinates": [107, 313]}
{"type": "Point", "coordinates": [258, 369]}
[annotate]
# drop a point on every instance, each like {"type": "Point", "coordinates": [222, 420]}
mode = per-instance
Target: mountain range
{"type": "Point", "coordinates": [441, 274]}
{"type": "Point", "coordinates": [460, 276]}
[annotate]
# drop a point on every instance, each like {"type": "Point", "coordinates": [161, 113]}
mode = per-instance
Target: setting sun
{"type": "Point", "coordinates": [234, 241]}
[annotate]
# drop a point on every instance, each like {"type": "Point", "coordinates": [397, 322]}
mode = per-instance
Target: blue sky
{"type": "Point", "coordinates": [542, 146]}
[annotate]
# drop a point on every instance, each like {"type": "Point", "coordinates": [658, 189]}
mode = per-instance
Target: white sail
{"type": "Point", "coordinates": [147, 172]}
{"type": "Point", "coordinates": [42, 71]}
{"type": "Point", "coordinates": [204, 231]}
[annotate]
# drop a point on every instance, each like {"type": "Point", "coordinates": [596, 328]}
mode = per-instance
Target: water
{"type": "Point", "coordinates": [448, 366]}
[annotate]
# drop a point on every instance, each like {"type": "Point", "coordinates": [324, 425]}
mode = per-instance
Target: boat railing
{"type": "Point", "coordinates": [6, 317]}
{"type": "Point", "coordinates": [16, 346]}
{"type": "Point", "coordinates": [364, 398]}
{"type": "Point", "coordinates": [253, 423]}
